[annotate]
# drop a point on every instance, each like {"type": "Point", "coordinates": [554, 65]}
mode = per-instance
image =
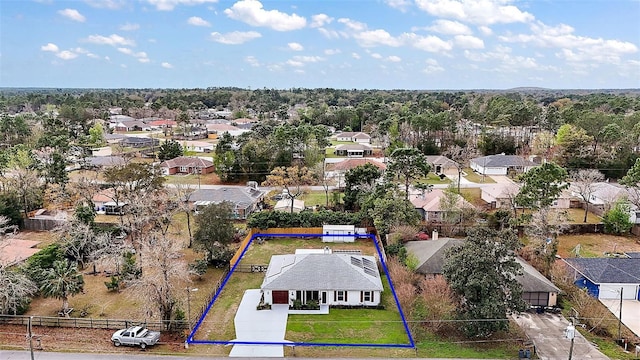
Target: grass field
{"type": "Point", "coordinates": [477, 178]}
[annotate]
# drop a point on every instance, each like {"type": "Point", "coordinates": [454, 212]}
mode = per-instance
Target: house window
{"type": "Point", "coordinates": [366, 296]}
{"type": "Point", "coordinates": [340, 295]}
{"type": "Point", "coordinates": [183, 169]}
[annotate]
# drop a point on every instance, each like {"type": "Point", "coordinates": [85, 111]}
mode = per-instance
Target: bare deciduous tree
{"type": "Point", "coordinates": [584, 183]}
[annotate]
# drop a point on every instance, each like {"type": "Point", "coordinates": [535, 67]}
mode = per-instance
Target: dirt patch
{"type": "Point", "coordinates": [595, 245]}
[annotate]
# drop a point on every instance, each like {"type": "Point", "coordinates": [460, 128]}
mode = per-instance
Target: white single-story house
{"type": "Point", "coordinates": [354, 150]}
{"type": "Point", "coordinates": [501, 165]}
{"type": "Point", "coordinates": [537, 290]}
{"type": "Point", "coordinates": [284, 205]}
{"type": "Point", "coordinates": [326, 278]}
{"type": "Point", "coordinates": [357, 137]}
{"type": "Point", "coordinates": [605, 278]}
{"type": "Point", "coordinates": [198, 146]}
{"type": "Point", "coordinates": [604, 197]}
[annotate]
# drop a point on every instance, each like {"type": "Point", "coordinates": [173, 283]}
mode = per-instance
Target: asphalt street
{"type": "Point", "coordinates": [24, 355]}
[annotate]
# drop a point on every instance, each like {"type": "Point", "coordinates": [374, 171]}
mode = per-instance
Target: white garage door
{"type": "Point", "coordinates": [629, 292]}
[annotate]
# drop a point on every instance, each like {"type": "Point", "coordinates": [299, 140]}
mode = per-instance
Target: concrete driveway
{"type": "Point", "coordinates": [259, 326]}
{"type": "Point", "coordinates": [630, 312]}
{"type": "Point", "coordinates": [547, 333]}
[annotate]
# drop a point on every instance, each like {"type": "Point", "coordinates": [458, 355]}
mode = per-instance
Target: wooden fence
{"type": "Point", "coordinates": [89, 323]}
{"type": "Point", "coordinates": [251, 268]}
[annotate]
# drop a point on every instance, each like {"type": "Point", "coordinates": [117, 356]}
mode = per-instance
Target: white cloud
{"type": "Point", "coordinates": [308, 59]}
{"type": "Point", "coordinates": [353, 25]}
{"type": "Point", "coordinates": [141, 56]}
{"type": "Point", "coordinates": [235, 37]}
{"type": "Point", "coordinates": [376, 56]}
{"type": "Point", "coordinates": [355, 56]}
{"type": "Point", "coordinates": [106, 4]}
{"type": "Point", "coordinates": [485, 30]}
{"type": "Point", "coordinates": [50, 47]}
{"type": "Point", "coordinates": [113, 40]}
{"type": "Point", "coordinates": [320, 20]}
{"type": "Point", "coordinates": [129, 27]}
{"type": "Point", "coordinates": [429, 43]}
{"type": "Point", "coordinates": [329, 34]}
{"type": "Point", "coordinates": [480, 12]}
{"type": "Point", "coordinates": [502, 60]}
{"type": "Point", "coordinates": [432, 67]}
{"type": "Point", "coordinates": [72, 14]}
{"type": "Point", "coordinates": [252, 13]}
{"type": "Point", "coordinates": [376, 37]}
{"type": "Point", "coordinates": [450, 27]}
{"type": "Point", "coordinates": [295, 46]}
{"type": "Point", "coordinates": [574, 48]}
{"type": "Point", "coordinates": [168, 5]}
{"type": "Point", "coordinates": [332, 51]}
{"type": "Point", "coordinates": [197, 21]}
{"type": "Point", "coordinates": [394, 58]}
{"type": "Point", "coordinates": [295, 63]}
{"type": "Point", "coordinates": [93, 56]}
{"type": "Point", "coordinates": [166, 65]}
{"type": "Point", "coordinates": [468, 42]}
{"type": "Point", "coordinates": [401, 5]}
{"type": "Point", "coordinates": [252, 61]}
{"type": "Point", "coordinates": [66, 55]}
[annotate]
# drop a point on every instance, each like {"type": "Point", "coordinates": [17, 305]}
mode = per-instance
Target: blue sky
{"type": "Point", "coordinates": [381, 44]}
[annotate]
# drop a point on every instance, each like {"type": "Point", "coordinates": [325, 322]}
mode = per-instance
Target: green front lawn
{"type": "Point", "coordinates": [477, 178]}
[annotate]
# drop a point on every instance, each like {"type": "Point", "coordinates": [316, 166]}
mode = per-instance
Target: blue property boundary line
{"type": "Point", "coordinates": [191, 340]}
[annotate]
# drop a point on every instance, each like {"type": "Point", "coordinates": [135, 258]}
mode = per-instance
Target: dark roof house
{"type": "Point", "coordinates": [604, 278]}
{"type": "Point", "coordinates": [537, 290]}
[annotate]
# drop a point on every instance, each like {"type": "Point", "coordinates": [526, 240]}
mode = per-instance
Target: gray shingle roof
{"type": "Point", "coordinates": [431, 258]}
{"type": "Point", "coordinates": [493, 161]}
{"type": "Point", "coordinates": [235, 194]}
{"type": "Point", "coordinates": [322, 272]}
{"type": "Point", "coordinates": [608, 270]}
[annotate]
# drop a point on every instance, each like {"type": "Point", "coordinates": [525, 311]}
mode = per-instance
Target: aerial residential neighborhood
{"type": "Point", "coordinates": [251, 179]}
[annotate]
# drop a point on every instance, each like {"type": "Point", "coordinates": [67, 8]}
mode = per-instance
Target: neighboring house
{"type": "Point", "coordinates": [326, 278]}
{"type": "Point", "coordinates": [604, 197]}
{"type": "Point", "coordinates": [102, 151]}
{"type": "Point", "coordinates": [131, 125]}
{"type": "Point", "coordinates": [198, 146]}
{"type": "Point", "coordinates": [244, 200]}
{"type": "Point", "coordinates": [101, 198]}
{"type": "Point", "coordinates": [139, 142]}
{"type": "Point", "coordinates": [428, 204]}
{"type": "Point", "coordinates": [357, 137]}
{"type": "Point", "coordinates": [431, 254]}
{"type": "Point", "coordinates": [336, 170]}
{"type": "Point", "coordinates": [186, 165]}
{"type": "Point", "coordinates": [354, 150]}
{"type": "Point", "coordinates": [244, 123]}
{"type": "Point", "coordinates": [219, 129]}
{"type": "Point", "coordinates": [114, 138]}
{"type": "Point", "coordinates": [284, 205]}
{"type": "Point", "coordinates": [501, 165]}
{"type": "Point", "coordinates": [500, 195]}
{"type": "Point", "coordinates": [162, 124]}
{"type": "Point", "coordinates": [105, 161]}
{"type": "Point", "coordinates": [604, 278]}
{"type": "Point", "coordinates": [443, 165]}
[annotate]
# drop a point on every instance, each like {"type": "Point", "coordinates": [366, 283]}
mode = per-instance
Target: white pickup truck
{"type": "Point", "coordinates": [135, 336]}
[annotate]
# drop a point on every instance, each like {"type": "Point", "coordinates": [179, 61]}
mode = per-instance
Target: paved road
{"type": "Point", "coordinates": [547, 333]}
{"type": "Point", "coordinates": [24, 355]}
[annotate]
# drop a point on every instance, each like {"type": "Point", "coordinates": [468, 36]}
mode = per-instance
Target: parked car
{"type": "Point", "coordinates": [135, 336]}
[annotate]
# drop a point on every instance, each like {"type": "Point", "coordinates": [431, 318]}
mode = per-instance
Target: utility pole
{"type": "Point", "coordinates": [620, 317]}
{"type": "Point", "coordinates": [30, 336]}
